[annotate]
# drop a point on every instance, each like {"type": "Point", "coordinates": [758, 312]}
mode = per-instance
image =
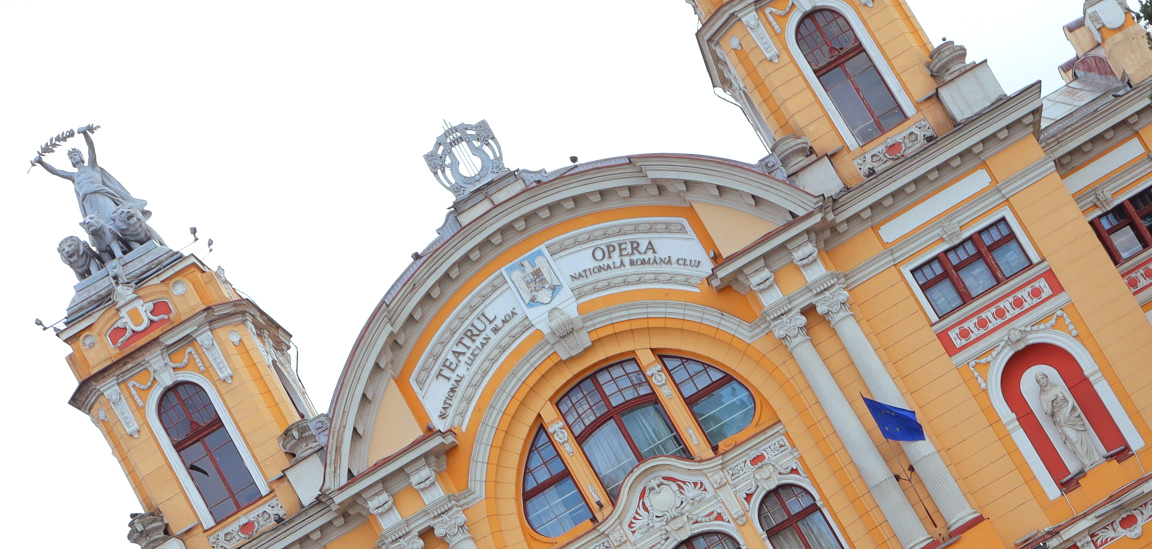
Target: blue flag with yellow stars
{"type": "Point", "coordinates": [895, 423]}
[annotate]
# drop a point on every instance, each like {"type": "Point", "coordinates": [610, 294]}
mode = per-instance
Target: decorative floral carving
{"type": "Point", "coordinates": [248, 525]}
{"type": "Point", "coordinates": [805, 253]}
{"type": "Point", "coordinates": [1135, 520]}
{"type": "Point", "coordinates": [618, 538]}
{"type": "Point", "coordinates": [422, 478]}
{"type": "Point", "coordinates": [125, 328]}
{"type": "Point", "coordinates": [120, 406]}
{"type": "Point", "coordinates": [894, 148]}
{"type": "Point", "coordinates": [664, 499]}
{"type": "Point", "coordinates": [88, 341]}
{"type": "Point", "coordinates": [215, 357]}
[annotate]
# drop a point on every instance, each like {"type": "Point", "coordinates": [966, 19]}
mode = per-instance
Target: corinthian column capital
{"type": "Point", "coordinates": [789, 328]}
{"type": "Point", "coordinates": [833, 304]}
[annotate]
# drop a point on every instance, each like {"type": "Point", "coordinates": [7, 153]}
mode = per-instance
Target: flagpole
{"type": "Point", "coordinates": [912, 484]}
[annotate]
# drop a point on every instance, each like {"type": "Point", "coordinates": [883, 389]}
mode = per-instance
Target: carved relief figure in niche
{"type": "Point", "coordinates": [1057, 403]}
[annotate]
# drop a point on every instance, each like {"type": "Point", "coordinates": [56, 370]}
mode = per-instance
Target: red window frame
{"type": "Point", "coordinates": [945, 266]}
{"type": "Point", "coordinates": [630, 391]}
{"type": "Point", "coordinates": [828, 43]}
{"type": "Point", "coordinates": [189, 418]}
{"type": "Point", "coordinates": [709, 540]}
{"type": "Point", "coordinates": [693, 393]}
{"type": "Point", "coordinates": [781, 495]}
{"type": "Point", "coordinates": [542, 446]}
{"type": "Point", "coordinates": [1135, 212]}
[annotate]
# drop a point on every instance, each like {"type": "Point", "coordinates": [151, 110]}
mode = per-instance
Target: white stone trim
{"type": "Point", "coordinates": [174, 461]}
{"type": "Point", "coordinates": [1093, 171]}
{"type": "Point", "coordinates": [1004, 213]}
{"type": "Point", "coordinates": [947, 198]}
{"type": "Point", "coordinates": [1091, 371]}
{"type": "Point", "coordinates": [806, 485]}
{"type": "Point", "coordinates": [878, 59]}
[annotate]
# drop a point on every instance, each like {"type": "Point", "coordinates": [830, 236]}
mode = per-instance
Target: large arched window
{"type": "Point", "coordinates": [618, 421]}
{"type": "Point", "coordinates": [722, 406]}
{"type": "Point", "coordinates": [792, 520]}
{"type": "Point", "coordinates": [709, 541]}
{"type": "Point", "coordinates": [552, 503]}
{"type": "Point", "coordinates": [848, 75]}
{"type": "Point", "coordinates": [207, 451]}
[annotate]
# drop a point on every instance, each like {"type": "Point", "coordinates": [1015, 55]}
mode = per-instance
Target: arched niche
{"type": "Point", "coordinates": [1066, 361]}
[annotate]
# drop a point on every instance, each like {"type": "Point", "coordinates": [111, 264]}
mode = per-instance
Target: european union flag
{"type": "Point", "coordinates": [895, 423]}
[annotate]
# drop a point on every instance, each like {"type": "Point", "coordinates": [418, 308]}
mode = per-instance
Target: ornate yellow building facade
{"type": "Point", "coordinates": [670, 351]}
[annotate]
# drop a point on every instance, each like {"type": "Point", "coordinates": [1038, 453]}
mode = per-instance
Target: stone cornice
{"type": "Point", "coordinates": [1133, 102]}
{"type": "Point", "coordinates": [939, 164]}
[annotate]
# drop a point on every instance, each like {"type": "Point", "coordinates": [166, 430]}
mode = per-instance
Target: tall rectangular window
{"type": "Point", "coordinates": [978, 264]}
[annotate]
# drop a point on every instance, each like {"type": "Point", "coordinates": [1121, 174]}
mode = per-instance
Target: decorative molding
{"type": "Point", "coordinates": [751, 20]}
{"type": "Point", "coordinates": [833, 305]}
{"type": "Point", "coordinates": [215, 357]}
{"type": "Point", "coordinates": [1115, 530]}
{"type": "Point", "coordinates": [123, 413]}
{"type": "Point", "coordinates": [894, 148]}
{"type": "Point", "coordinates": [560, 435]}
{"type": "Point", "coordinates": [148, 315]}
{"type": "Point", "coordinates": [656, 374]}
{"type": "Point", "coordinates": [613, 232]}
{"type": "Point", "coordinates": [179, 287]}
{"type": "Point", "coordinates": [88, 341]}
{"type": "Point", "coordinates": [1004, 310]}
{"type": "Point", "coordinates": [789, 328]}
{"type": "Point", "coordinates": [663, 500]}
{"type": "Point", "coordinates": [1140, 278]}
{"type": "Point", "coordinates": [249, 525]}
{"type": "Point", "coordinates": [234, 337]}
{"type": "Point", "coordinates": [147, 529]}
{"type": "Point", "coordinates": [452, 526]}
{"type": "Point", "coordinates": [1014, 340]}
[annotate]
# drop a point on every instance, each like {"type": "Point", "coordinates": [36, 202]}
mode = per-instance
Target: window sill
{"type": "Point", "coordinates": [987, 298]}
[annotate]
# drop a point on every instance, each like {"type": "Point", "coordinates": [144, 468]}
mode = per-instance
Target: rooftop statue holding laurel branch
{"type": "Point", "coordinates": [116, 222]}
{"type": "Point", "coordinates": [96, 190]}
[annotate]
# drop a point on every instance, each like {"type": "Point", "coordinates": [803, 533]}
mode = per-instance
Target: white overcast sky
{"type": "Point", "coordinates": [292, 133]}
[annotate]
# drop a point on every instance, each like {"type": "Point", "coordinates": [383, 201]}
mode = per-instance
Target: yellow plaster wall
{"type": "Point", "coordinates": [730, 229]}
{"type": "Point", "coordinates": [361, 537]}
{"type": "Point", "coordinates": [395, 426]}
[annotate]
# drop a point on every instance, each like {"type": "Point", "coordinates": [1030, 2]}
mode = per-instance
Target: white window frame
{"type": "Point", "coordinates": [153, 415]}
{"type": "Point", "coordinates": [803, 7]}
{"type": "Point", "coordinates": [1004, 213]}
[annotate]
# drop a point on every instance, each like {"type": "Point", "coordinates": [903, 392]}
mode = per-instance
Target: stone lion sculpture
{"type": "Point", "coordinates": [129, 223]}
{"type": "Point", "coordinates": [107, 242]}
{"type": "Point", "coordinates": [80, 256]}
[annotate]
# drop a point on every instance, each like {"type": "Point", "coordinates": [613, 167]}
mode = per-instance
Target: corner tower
{"type": "Point", "coordinates": [191, 384]}
{"type": "Point", "coordinates": [839, 89]}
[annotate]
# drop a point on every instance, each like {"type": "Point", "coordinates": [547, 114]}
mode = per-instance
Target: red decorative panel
{"type": "Point", "coordinates": [128, 331]}
{"type": "Point", "coordinates": [987, 320]}
{"type": "Point", "coordinates": [1140, 278]}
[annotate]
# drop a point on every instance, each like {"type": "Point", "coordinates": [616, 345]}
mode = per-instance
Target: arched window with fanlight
{"type": "Point", "coordinates": [848, 75]}
{"type": "Point", "coordinates": [791, 519]}
{"type": "Point", "coordinates": [206, 449]}
{"type": "Point", "coordinates": [709, 540]}
{"type": "Point", "coordinates": [552, 502]}
{"type": "Point", "coordinates": [722, 406]}
{"type": "Point", "coordinates": [618, 422]}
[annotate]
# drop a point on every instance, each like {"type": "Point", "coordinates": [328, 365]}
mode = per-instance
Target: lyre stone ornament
{"type": "Point", "coordinates": [465, 157]}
